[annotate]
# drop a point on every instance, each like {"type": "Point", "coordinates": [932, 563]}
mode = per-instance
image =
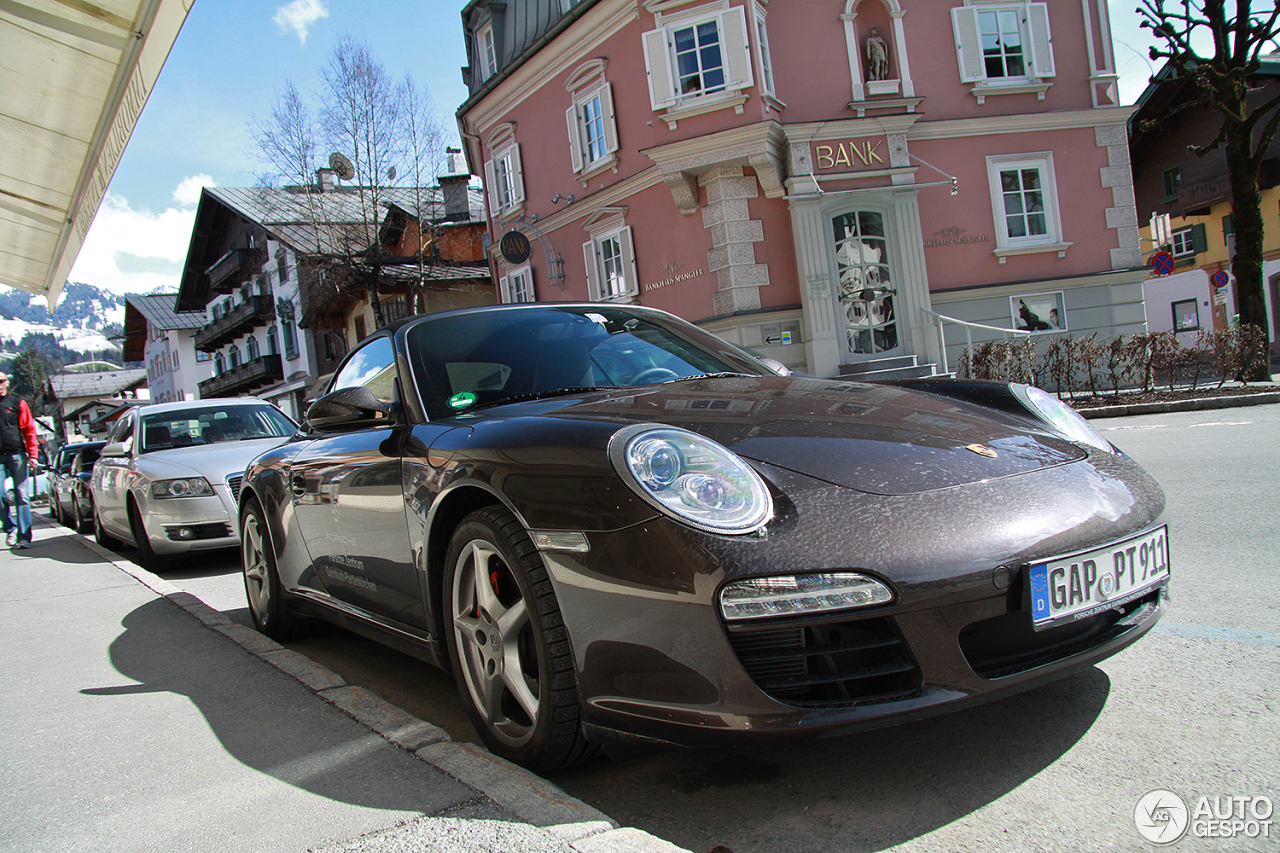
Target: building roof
{"type": "Point", "coordinates": [76, 78]}
{"type": "Point", "coordinates": [67, 386]}
{"type": "Point", "coordinates": [154, 312]}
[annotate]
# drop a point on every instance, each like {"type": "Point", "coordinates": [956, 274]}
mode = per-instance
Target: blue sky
{"type": "Point", "coordinates": [228, 65]}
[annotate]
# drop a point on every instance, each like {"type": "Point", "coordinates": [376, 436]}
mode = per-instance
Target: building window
{"type": "Point", "coordinates": [233, 357]}
{"type": "Point", "coordinates": [252, 346]}
{"type": "Point", "coordinates": [273, 348]}
{"type": "Point", "coordinates": [517, 286]}
{"type": "Point", "coordinates": [202, 357]}
{"type": "Point", "coordinates": [1003, 44]}
{"type": "Point", "coordinates": [1025, 204]}
{"type": "Point", "coordinates": [593, 134]}
{"type": "Point", "coordinates": [697, 55]}
{"type": "Point", "coordinates": [1039, 312]}
{"type": "Point", "coordinates": [1186, 315]}
{"type": "Point", "coordinates": [282, 265]}
{"type": "Point", "coordinates": [611, 265]}
{"type": "Point", "coordinates": [1172, 180]}
{"type": "Point", "coordinates": [766, 60]}
{"type": "Point", "coordinates": [361, 332]}
{"type": "Point", "coordinates": [284, 308]}
{"type": "Point", "coordinates": [488, 53]}
{"type": "Point", "coordinates": [505, 180]}
{"type": "Point", "coordinates": [1189, 241]}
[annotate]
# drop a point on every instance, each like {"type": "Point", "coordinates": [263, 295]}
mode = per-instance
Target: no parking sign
{"type": "Point", "coordinates": [1220, 278]}
{"type": "Point", "coordinates": [1162, 263]}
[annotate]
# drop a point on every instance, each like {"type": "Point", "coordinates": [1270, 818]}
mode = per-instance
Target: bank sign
{"type": "Point", "coordinates": [856, 154]}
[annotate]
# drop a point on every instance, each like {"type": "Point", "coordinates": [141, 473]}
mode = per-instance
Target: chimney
{"type": "Point", "coordinates": [454, 185]}
{"type": "Point", "coordinates": [325, 179]}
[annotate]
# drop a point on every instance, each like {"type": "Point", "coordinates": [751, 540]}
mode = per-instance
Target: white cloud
{"type": "Point", "coordinates": [130, 251]}
{"type": "Point", "coordinates": [188, 192]}
{"type": "Point", "coordinates": [299, 16]}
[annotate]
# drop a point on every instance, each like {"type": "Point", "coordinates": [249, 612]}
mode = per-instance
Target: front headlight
{"type": "Point", "coordinates": [691, 478]}
{"type": "Point", "coordinates": [187, 487]}
{"type": "Point", "coordinates": [1062, 418]}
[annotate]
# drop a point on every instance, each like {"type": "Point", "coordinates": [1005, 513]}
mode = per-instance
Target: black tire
{"type": "Point", "coordinates": [267, 604]}
{"type": "Point", "coordinates": [508, 645]}
{"type": "Point", "coordinates": [55, 510]}
{"type": "Point", "coordinates": [81, 521]}
{"type": "Point", "coordinates": [147, 558]}
{"type": "Point", "coordinates": [101, 536]}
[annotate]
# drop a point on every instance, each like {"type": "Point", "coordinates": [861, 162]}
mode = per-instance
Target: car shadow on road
{"type": "Point", "coordinates": [862, 792]}
{"type": "Point", "coordinates": [264, 718]}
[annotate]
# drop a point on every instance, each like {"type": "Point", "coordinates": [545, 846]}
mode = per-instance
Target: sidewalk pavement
{"type": "Point", "coordinates": [139, 719]}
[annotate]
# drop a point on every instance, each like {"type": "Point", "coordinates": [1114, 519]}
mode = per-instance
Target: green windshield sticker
{"type": "Point", "coordinates": [462, 400]}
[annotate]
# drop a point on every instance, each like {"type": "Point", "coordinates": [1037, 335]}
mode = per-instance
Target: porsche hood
{"type": "Point", "coordinates": [873, 438]}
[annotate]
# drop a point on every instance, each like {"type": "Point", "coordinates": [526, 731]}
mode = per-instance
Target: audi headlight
{"type": "Point", "coordinates": [1064, 420]}
{"type": "Point", "coordinates": [187, 487]}
{"type": "Point", "coordinates": [691, 478]}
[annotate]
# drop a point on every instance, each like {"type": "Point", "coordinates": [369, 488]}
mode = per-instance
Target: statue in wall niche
{"type": "Point", "coordinates": [877, 56]}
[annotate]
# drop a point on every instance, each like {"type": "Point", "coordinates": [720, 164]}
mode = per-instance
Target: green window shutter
{"type": "Point", "coordinates": [1198, 241]}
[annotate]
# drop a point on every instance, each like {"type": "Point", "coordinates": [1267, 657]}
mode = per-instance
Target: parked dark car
{"type": "Point", "coordinates": [81, 517]}
{"type": "Point", "coordinates": [614, 527]}
{"type": "Point", "coordinates": [60, 481]}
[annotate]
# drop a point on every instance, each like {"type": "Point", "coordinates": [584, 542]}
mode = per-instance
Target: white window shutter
{"type": "Point", "coordinates": [737, 51]}
{"type": "Point", "coordinates": [628, 247]}
{"type": "Point", "coordinates": [657, 64]}
{"type": "Point", "coordinates": [517, 175]}
{"type": "Point", "coordinates": [1041, 40]}
{"type": "Point", "coordinates": [575, 137]}
{"type": "Point", "coordinates": [491, 184]}
{"type": "Point", "coordinates": [610, 123]}
{"type": "Point", "coordinates": [964, 22]}
{"type": "Point", "coordinates": [504, 289]}
{"type": "Point", "coordinates": [593, 271]}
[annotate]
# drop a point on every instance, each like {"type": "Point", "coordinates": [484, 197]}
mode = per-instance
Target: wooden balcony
{"type": "Point", "coordinates": [259, 310]}
{"type": "Point", "coordinates": [245, 379]}
{"type": "Point", "coordinates": [233, 269]}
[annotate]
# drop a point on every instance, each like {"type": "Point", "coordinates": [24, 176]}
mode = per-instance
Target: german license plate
{"type": "Point", "coordinates": [1083, 584]}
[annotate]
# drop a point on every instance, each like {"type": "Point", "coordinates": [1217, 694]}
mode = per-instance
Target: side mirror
{"type": "Point", "coordinates": [115, 450]}
{"type": "Point", "coordinates": [349, 408]}
{"type": "Point", "coordinates": [774, 365]}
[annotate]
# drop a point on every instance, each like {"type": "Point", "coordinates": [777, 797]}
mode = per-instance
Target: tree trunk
{"type": "Point", "coordinates": [1246, 265]}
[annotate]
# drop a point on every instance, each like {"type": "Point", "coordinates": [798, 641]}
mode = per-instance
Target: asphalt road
{"type": "Point", "coordinates": [1193, 708]}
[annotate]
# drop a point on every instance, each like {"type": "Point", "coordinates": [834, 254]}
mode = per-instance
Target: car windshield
{"type": "Point", "coordinates": [467, 361]}
{"type": "Point", "coordinates": [206, 425]}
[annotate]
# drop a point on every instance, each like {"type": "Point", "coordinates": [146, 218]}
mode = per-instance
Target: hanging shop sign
{"type": "Point", "coordinates": [515, 247]}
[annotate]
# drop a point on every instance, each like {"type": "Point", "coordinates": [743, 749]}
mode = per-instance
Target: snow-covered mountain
{"type": "Point", "coordinates": [84, 322]}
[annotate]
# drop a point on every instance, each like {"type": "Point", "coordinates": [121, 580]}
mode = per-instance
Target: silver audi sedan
{"type": "Point", "coordinates": [169, 477]}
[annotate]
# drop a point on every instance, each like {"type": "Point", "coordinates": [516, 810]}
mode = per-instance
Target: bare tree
{"type": "Point", "coordinates": [425, 140]}
{"type": "Point", "coordinates": [1223, 83]}
{"type": "Point", "coordinates": [375, 124]}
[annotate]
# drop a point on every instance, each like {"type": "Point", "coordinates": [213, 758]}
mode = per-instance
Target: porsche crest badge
{"type": "Point", "coordinates": [981, 450]}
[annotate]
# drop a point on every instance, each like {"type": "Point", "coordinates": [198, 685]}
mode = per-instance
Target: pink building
{"type": "Point", "coordinates": [820, 180]}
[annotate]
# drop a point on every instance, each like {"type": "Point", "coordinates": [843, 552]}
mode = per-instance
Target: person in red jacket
{"type": "Point", "coordinates": [19, 452]}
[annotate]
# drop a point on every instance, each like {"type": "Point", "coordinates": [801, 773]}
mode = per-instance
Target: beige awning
{"type": "Point", "coordinates": [74, 77]}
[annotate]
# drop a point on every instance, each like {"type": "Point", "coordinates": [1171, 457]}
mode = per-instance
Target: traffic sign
{"type": "Point", "coordinates": [1220, 278]}
{"type": "Point", "coordinates": [1162, 263]}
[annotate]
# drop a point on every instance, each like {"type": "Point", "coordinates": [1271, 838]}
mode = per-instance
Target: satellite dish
{"type": "Point", "coordinates": [391, 173]}
{"type": "Point", "coordinates": [340, 163]}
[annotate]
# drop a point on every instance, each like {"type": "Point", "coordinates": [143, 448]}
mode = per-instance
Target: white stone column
{"type": "Point", "coordinates": [733, 237]}
{"type": "Point", "coordinates": [916, 328]}
{"type": "Point", "coordinates": [821, 337]}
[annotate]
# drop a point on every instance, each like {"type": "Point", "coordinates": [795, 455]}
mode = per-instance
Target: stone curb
{"type": "Point", "coordinates": [524, 795]}
{"type": "Point", "coordinates": [1201, 404]}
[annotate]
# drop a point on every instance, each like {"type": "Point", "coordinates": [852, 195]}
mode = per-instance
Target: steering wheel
{"type": "Point", "coordinates": [654, 374]}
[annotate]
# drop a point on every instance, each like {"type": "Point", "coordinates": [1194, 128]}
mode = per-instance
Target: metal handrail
{"type": "Point", "coordinates": [939, 319]}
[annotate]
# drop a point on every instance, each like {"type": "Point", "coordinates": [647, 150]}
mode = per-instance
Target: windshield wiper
{"type": "Point", "coordinates": [540, 395]}
{"type": "Point", "coordinates": [719, 375]}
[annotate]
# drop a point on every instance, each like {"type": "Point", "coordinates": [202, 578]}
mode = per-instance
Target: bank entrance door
{"type": "Point", "coordinates": [865, 292]}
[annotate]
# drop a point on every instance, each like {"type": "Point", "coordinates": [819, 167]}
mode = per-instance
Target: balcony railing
{"type": "Point", "coordinates": [245, 379]}
{"type": "Point", "coordinates": [233, 268]}
{"type": "Point", "coordinates": [1205, 193]}
{"type": "Point", "coordinates": [256, 311]}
